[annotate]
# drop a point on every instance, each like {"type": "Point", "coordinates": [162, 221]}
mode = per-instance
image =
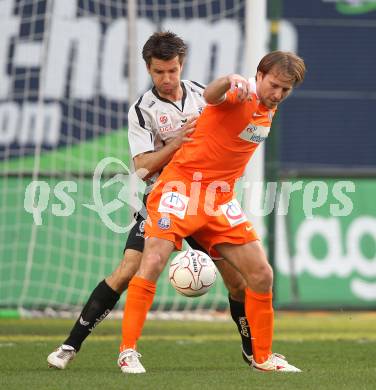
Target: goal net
{"type": "Point", "coordinates": [64, 95]}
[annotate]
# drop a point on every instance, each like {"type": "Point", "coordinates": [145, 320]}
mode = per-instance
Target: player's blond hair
{"type": "Point", "coordinates": [289, 64]}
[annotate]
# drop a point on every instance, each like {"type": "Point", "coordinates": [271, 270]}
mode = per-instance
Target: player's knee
{"type": "Point", "coordinates": [263, 278]}
{"type": "Point", "coordinates": [153, 261]}
{"type": "Point", "coordinates": [237, 291]}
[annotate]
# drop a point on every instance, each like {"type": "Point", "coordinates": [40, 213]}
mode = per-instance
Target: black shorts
{"type": "Point", "coordinates": [136, 238]}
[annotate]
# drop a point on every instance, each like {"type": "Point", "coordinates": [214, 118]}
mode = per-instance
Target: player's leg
{"type": "Point", "coordinates": [140, 297]}
{"type": "Point", "coordinates": [250, 259]}
{"type": "Point", "coordinates": [102, 299]}
{"type": "Point", "coordinates": [235, 285]}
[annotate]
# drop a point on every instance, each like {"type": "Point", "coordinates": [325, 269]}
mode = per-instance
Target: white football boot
{"type": "Point", "coordinates": [275, 362]}
{"type": "Point", "coordinates": [129, 363]}
{"type": "Point", "coordinates": [61, 357]}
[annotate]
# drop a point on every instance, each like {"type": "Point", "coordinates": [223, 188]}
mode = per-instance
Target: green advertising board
{"type": "Point", "coordinates": [325, 260]}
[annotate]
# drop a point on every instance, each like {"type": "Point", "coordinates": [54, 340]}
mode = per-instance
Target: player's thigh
{"type": "Point", "coordinates": [251, 261]}
{"type": "Point", "coordinates": [136, 236]}
{"type": "Point", "coordinates": [232, 278]}
{"type": "Point", "coordinates": [132, 255]}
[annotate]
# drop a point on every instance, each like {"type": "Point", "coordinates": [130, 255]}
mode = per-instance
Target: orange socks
{"type": "Point", "coordinates": [260, 315]}
{"type": "Point", "coordinates": [139, 300]}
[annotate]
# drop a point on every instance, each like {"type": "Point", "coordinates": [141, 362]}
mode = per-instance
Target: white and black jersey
{"type": "Point", "coordinates": [152, 120]}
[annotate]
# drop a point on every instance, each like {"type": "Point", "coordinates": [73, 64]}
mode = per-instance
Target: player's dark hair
{"type": "Point", "coordinates": [287, 63]}
{"type": "Point", "coordinates": [164, 46]}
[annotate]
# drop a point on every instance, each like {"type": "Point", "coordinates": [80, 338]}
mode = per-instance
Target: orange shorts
{"type": "Point", "coordinates": [177, 210]}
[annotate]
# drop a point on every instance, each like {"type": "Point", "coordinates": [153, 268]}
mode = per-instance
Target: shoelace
{"type": "Point", "coordinates": [279, 355]}
{"type": "Point", "coordinates": [131, 356]}
{"type": "Point", "coordinates": [278, 359]}
{"type": "Point", "coordinates": [64, 354]}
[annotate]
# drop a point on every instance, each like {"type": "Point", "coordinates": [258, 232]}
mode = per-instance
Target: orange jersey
{"type": "Point", "coordinates": [226, 136]}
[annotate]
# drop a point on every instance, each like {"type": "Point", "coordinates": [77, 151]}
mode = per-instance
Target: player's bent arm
{"type": "Point", "coordinates": [215, 92]}
{"type": "Point", "coordinates": [153, 162]}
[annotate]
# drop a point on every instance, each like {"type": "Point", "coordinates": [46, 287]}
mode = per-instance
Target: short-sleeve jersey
{"type": "Point", "coordinates": [226, 136]}
{"type": "Point", "coordinates": [152, 120]}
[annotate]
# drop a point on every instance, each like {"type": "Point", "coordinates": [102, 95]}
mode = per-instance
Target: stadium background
{"type": "Point", "coordinates": [59, 129]}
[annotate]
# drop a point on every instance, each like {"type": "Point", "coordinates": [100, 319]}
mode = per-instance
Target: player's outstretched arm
{"type": "Point", "coordinates": [215, 92]}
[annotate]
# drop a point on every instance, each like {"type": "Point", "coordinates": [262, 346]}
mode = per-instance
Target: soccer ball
{"type": "Point", "coordinates": [192, 273]}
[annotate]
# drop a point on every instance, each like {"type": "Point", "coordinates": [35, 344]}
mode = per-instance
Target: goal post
{"type": "Point", "coordinates": [64, 95]}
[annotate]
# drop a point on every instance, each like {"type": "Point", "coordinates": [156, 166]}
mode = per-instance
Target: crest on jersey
{"type": "Point", "coordinates": [164, 123]}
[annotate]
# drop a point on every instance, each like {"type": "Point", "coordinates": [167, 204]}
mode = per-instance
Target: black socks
{"type": "Point", "coordinates": [101, 301]}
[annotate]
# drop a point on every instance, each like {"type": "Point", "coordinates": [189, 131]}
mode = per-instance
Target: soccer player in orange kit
{"type": "Point", "coordinates": [194, 197]}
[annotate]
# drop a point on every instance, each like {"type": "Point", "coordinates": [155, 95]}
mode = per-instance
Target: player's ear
{"type": "Point", "coordinates": [182, 63]}
{"type": "Point", "coordinates": [259, 76]}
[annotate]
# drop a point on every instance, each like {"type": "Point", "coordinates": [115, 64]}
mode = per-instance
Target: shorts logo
{"type": "Point", "coordinates": [173, 203]}
{"type": "Point", "coordinates": [164, 223]}
{"type": "Point", "coordinates": [141, 228]}
{"type": "Point", "coordinates": [233, 213]}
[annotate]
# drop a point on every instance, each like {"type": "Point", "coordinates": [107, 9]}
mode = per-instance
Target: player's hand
{"type": "Point", "coordinates": [183, 134]}
{"type": "Point", "coordinates": [241, 86]}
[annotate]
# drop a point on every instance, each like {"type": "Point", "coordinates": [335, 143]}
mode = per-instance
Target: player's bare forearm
{"type": "Point", "coordinates": [153, 162]}
{"type": "Point", "coordinates": [215, 92]}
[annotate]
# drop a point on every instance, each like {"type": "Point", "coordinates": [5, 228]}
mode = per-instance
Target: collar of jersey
{"type": "Point", "coordinates": [155, 92]}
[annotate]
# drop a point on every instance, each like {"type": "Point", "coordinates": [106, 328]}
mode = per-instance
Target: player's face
{"type": "Point", "coordinates": [273, 88]}
{"type": "Point", "coordinates": [166, 76]}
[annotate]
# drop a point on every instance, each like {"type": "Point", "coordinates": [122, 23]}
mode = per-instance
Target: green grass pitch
{"type": "Point", "coordinates": [335, 351]}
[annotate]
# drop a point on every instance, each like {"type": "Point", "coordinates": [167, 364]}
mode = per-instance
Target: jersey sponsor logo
{"type": "Point", "coordinates": [233, 212]}
{"type": "Point", "coordinates": [164, 223]}
{"type": "Point", "coordinates": [164, 123]}
{"type": "Point", "coordinates": [173, 203]}
{"type": "Point", "coordinates": [163, 119]}
{"type": "Point", "coordinates": [254, 133]}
